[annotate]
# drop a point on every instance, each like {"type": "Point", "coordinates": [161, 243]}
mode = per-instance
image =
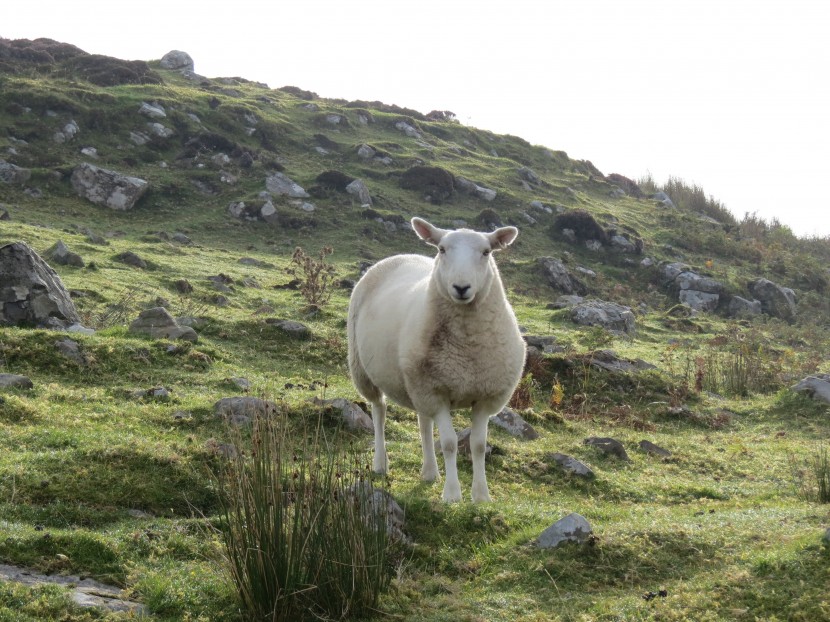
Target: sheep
{"type": "Point", "coordinates": [436, 335]}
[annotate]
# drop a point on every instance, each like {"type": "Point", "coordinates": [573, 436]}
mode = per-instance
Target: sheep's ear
{"type": "Point", "coordinates": [502, 238]}
{"type": "Point", "coordinates": [427, 232]}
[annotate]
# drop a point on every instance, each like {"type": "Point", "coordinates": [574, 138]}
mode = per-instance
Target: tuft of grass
{"type": "Point", "coordinates": [301, 535]}
{"type": "Point", "coordinates": [812, 475]}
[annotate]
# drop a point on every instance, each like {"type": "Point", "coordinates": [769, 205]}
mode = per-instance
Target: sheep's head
{"type": "Point", "coordinates": [464, 267]}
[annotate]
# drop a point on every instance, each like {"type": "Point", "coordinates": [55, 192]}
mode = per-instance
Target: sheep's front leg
{"type": "Point", "coordinates": [429, 470]}
{"type": "Point", "coordinates": [478, 447]}
{"type": "Point", "coordinates": [380, 463]}
{"type": "Point", "coordinates": [449, 446]}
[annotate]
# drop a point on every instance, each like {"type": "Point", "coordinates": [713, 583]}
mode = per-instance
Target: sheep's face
{"type": "Point", "coordinates": [464, 267]}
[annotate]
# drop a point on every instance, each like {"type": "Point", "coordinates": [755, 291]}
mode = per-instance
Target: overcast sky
{"type": "Point", "coordinates": [731, 95]}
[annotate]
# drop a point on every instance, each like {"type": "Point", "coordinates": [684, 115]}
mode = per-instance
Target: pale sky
{"type": "Point", "coordinates": [731, 95]}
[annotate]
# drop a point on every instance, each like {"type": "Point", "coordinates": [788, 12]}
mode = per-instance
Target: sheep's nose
{"type": "Point", "coordinates": [462, 290]}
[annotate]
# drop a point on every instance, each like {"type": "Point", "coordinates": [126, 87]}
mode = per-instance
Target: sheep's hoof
{"type": "Point", "coordinates": [429, 474]}
{"type": "Point", "coordinates": [380, 466]}
{"type": "Point", "coordinates": [451, 496]}
{"type": "Point", "coordinates": [479, 498]}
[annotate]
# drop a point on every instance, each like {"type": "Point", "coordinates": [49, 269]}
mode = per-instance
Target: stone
{"type": "Point", "coordinates": [181, 238]}
{"type": "Point", "coordinates": [610, 446]}
{"type": "Point", "coordinates": [4, 213]}
{"type": "Point", "coordinates": [566, 302]}
{"type": "Point", "coordinates": [70, 350]}
{"type": "Point", "coordinates": [297, 330]}
{"type": "Point", "coordinates": [13, 174]}
{"type": "Point", "coordinates": [558, 276]}
{"type": "Point", "coordinates": [529, 175]}
{"type": "Point", "coordinates": [240, 410]}
{"type": "Point", "coordinates": [366, 152]}
{"type": "Point", "coordinates": [154, 111]}
{"type": "Point", "coordinates": [59, 253]}
{"type": "Point", "coordinates": [654, 450]}
{"type": "Point", "coordinates": [31, 292]}
{"type": "Point", "coordinates": [663, 200]}
{"type": "Point", "coordinates": [741, 307]}
{"type": "Point", "coordinates": [817, 387]}
{"type": "Point", "coordinates": [622, 244]}
{"type": "Point", "coordinates": [697, 300]}
{"type": "Point", "coordinates": [465, 185]}
{"type": "Point", "coordinates": [160, 130]}
{"type": "Point", "coordinates": [572, 466]}
{"type": "Point", "coordinates": [108, 188]}
{"type": "Point", "coordinates": [609, 361]}
{"type": "Point", "coordinates": [775, 300]}
{"type": "Point", "coordinates": [358, 189]}
{"type": "Point", "coordinates": [131, 259]}
{"type": "Point", "coordinates": [15, 381]}
{"type": "Point", "coordinates": [514, 425]}
{"type": "Point", "coordinates": [352, 415]}
{"type": "Point", "coordinates": [407, 129]}
{"type": "Point", "coordinates": [375, 503]}
{"type": "Point", "coordinates": [278, 183]}
{"type": "Point", "coordinates": [176, 59]}
{"type": "Point", "coordinates": [159, 324]}
{"type": "Point", "coordinates": [572, 528]}
{"type": "Point", "coordinates": [608, 315]}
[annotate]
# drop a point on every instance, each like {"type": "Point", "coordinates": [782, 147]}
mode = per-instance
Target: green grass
{"type": "Point", "coordinates": [97, 482]}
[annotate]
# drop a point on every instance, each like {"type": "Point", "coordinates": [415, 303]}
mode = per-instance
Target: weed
{"type": "Point", "coordinates": [315, 275]}
{"type": "Point", "coordinates": [522, 397]}
{"type": "Point", "coordinates": [812, 475]}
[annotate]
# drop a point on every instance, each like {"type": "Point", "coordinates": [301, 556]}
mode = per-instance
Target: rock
{"type": "Point", "coordinates": [176, 59]}
{"type": "Point", "coordinates": [572, 466]}
{"type": "Point", "coordinates": [566, 302]}
{"type": "Point", "coordinates": [131, 259]}
{"type": "Point", "coordinates": [13, 381]}
{"type": "Point", "coordinates": [654, 450]}
{"type": "Point", "coordinates": [153, 392]}
{"type": "Point", "coordinates": [514, 425]}
{"type": "Point", "coordinates": [609, 361]}
{"type": "Point", "coordinates": [817, 387]}
{"type": "Point", "coordinates": [241, 383]}
{"type": "Point", "coordinates": [58, 253]}
{"type": "Point", "coordinates": [530, 176]}
{"type": "Point", "coordinates": [160, 130]}
{"type": "Point", "coordinates": [465, 185]}
{"type": "Point", "coordinates": [698, 301]}
{"type": "Point", "coordinates": [366, 152]}
{"type": "Point", "coordinates": [183, 286]}
{"type": "Point", "coordinates": [71, 350]}
{"type": "Point", "coordinates": [377, 503]}
{"type": "Point", "coordinates": [358, 189]}
{"type": "Point", "coordinates": [572, 528]}
{"type": "Point", "coordinates": [663, 200]}
{"type": "Point", "coordinates": [742, 308]}
{"type": "Point", "coordinates": [181, 238]}
{"type": "Point", "coordinates": [13, 174]}
{"type": "Point", "coordinates": [4, 213]}
{"type": "Point", "coordinates": [240, 410]}
{"type": "Point", "coordinates": [297, 330]}
{"type": "Point", "coordinates": [608, 315]}
{"type": "Point", "coordinates": [622, 244]}
{"type": "Point", "coordinates": [31, 292]}
{"type": "Point", "coordinates": [435, 184]}
{"type": "Point", "coordinates": [278, 183]}
{"type": "Point", "coordinates": [407, 129]}
{"type": "Point", "coordinates": [775, 300]}
{"type": "Point", "coordinates": [353, 415]}
{"type": "Point", "coordinates": [558, 276]}
{"type": "Point", "coordinates": [154, 111]}
{"type": "Point", "coordinates": [610, 446]}
{"type": "Point", "coordinates": [159, 324]}
{"type": "Point", "coordinates": [105, 187]}
{"type": "Point", "coordinates": [139, 138]}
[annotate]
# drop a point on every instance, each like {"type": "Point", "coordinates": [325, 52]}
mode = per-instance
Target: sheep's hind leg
{"type": "Point", "coordinates": [478, 447]}
{"type": "Point", "coordinates": [380, 463]}
{"type": "Point", "coordinates": [429, 469]}
{"type": "Point", "coordinates": [449, 446]}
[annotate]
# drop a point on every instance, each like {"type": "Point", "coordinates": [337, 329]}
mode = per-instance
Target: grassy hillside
{"type": "Point", "coordinates": [95, 481]}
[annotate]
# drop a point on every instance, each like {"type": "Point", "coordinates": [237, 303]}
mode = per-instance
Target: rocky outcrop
{"type": "Point", "coordinates": [817, 387]}
{"type": "Point", "coordinates": [176, 59]}
{"type": "Point", "coordinates": [775, 300]}
{"type": "Point", "coordinates": [108, 188]}
{"type": "Point", "coordinates": [558, 277]}
{"type": "Point", "coordinates": [13, 174]}
{"type": "Point", "coordinates": [608, 315]}
{"type": "Point", "coordinates": [31, 292]}
{"type": "Point", "coordinates": [280, 184]}
{"type": "Point", "coordinates": [159, 324]}
{"type": "Point", "coordinates": [698, 292]}
{"type": "Point", "coordinates": [60, 254]}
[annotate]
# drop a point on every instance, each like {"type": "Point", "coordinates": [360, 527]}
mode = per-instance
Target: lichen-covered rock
{"type": "Point", "coordinates": [514, 424]}
{"type": "Point", "coordinates": [15, 381]}
{"type": "Point", "coordinates": [59, 253]}
{"type": "Point", "coordinates": [13, 174]}
{"type": "Point", "coordinates": [278, 183]}
{"type": "Point", "coordinates": [358, 189]}
{"type": "Point", "coordinates": [241, 410]}
{"type": "Point", "coordinates": [559, 277]}
{"type": "Point", "coordinates": [775, 300]}
{"type": "Point", "coordinates": [159, 324]}
{"type": "Point", "coordinates": [609, 315]}
{"type": "Point", "coordinates": [176, 59]}
{"type": "Point", "coordinates": [109, 188]}
{"type": "Point", "coordinates": [817, 387]}
{"type": "Point", "coordinates": [31, 292]}
{"type": "Point", "coordinates": [572, 528]}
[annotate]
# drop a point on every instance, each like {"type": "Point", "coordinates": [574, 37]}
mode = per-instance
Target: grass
{"type": "Point", "coordinates": [98, 482]}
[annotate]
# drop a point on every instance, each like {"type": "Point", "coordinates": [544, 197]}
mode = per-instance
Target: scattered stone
{"type": "Point", "coordinates": [241, 383]}
{"type": "Point", "coordinates": [240, 410]}
{"type": "Point", "coordinates": [743, 308]}
{"type": "Point", "coordinates": [353, 415]}
{"type": "Point", "coordinates": [59, 253]}
{"type": "Point", "coordinates": [181, 238]}
{"type": "Point", "coordinates": [572, 528]}
{"type": "Point", "coordinates": [131, 259]}
{"type": "Point", "coordinates": [407, 129]}
{"type": "Point", "coordinates": [71, 350]}
{"type": "Point", "coordinates": [572, 466]}
{"type": "Point", "coordinates": [31, 292]}
{"type": "Point", "coordinates": [153, 392]}
{"type": "Point", "coordinates": [654, 450]}
{"type": "Point", "coordinates": [176, 59]}
{"type": "Point", "coordinates": [775, 300]}
{"type": "Point", "coordinates": [278, 183]}
{"type": "Point", "coordinates": [154, 111]}
{"type": "Point", "coordinates": [608, 315]}
{"type": "Point", "coordinates": [160, 130]}
{"type": "Point", "coordinates": [609, 446]}
{"type": "Point", "coordinates": [13, 174]}
{"type": "Point", "coordinates": [513, 423]}
{"type": "Point", "coordinates": [470, 187]}
{"type": "Point", "coordinates": [183, 286]}
{"type": "Point", "coordinates": [376, 502]}
{"type": "Point", "coordinates": [105, 187]}
{"type": "Point", "coordinates": [291, 328]}
{"type": "Point", "coordinates": [159, 324]}
{"type": "Point", "coordinates": [817, 387]}
{"type": "Point", "coordinates": [546, 344]}
{"type": "Point", "coordinates": [4, 213]}
{"type": "Point", "coordinates": [609, 361]}
{"type": "Point", "coordinates": [558, 276]}
{"type": "Point", "coordinates": [366, 152]}
{"type": "Point", "coordinates": [358, 189]}
{"type": "Point", "coordinates": [566, 302]}
{"type": "Point", "coordinates": [14, 381]}
{"type": "Point", "coordinates": [663, 200]}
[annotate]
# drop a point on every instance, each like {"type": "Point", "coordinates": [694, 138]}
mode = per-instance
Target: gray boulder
{"type": "Point", "coordinates": [741, 307]}
{"type": "Point", "coordinates": [775, 300]}
{"type": "Point", "coordinates": [297, 330]}
{"type": "Point", "coordinates": [60, 254]}
{"type": "Point", "coordinates": [240, 410]}
{"type": "Point", "coordinates": [109, 188]}
{"type": "Point", "coordinates": [377, 503]}
{"type": "Point", "coordinates": [278, 183]}
{"type": "Point", "coordinates": [70, 350]}
{"type": "Point", "coordinates": [176, 59]}
{"type": "Point", "coordinates": [817, 387]}
{"type": "Point", "coordinates": [609, 446]}
{"type": "Point", "coordinates": [572, 466]}
{"type": "Point", "coordinates": [14, 381]}
{"type": "Point", "coordinates": [608, 315]}
{"type": "Point", "coordinates": [13, 174]}
{"type": "Point", "coordinates": [655, 450]}
{"type": "Point", "coordinates": [514, 425]}
{"type": "Point", "coordinates": [609, 361]}
{"type": "Point", "coordinates": [31, 292]}
{"type": "Point", "coordinates": [558, 276]}
{"type": "Point", "coordinates": [663, 200]}
{"type": "Point", "coordinates": [470, 187]}
{"type": "Point", "coordinates": [358, 189]}
{"type": "Point", "coordinates": [572, 528]}
{"type": "Point", "coordinates": [159, 324]}
{"type": "Point", "coordinates": [352, 415]}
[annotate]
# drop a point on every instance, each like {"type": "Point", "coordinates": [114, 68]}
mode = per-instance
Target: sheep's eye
{"type": "Point", "coordinates": [442, 250]}
{"type": "Point", "coordinates": [487, 252]}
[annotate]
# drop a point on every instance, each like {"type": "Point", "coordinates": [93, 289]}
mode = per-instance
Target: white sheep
{"type": "Point", "coordinates": [436, 335]}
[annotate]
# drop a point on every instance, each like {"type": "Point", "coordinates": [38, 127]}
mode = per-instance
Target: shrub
{"type": "Point", "coordinates": [315, 275]}
{"type": "Point", "coordinates": [812, 475]}
{"type": "Point", "coordinates": [301, 537]}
